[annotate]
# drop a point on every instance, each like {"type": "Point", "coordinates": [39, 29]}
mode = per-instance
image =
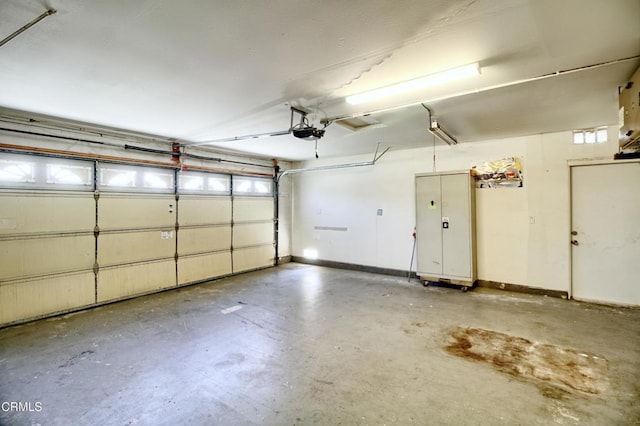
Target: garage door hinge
{"type": "Point", "coordinates": [175, 256]}
{"type": "Point", "coordinates": [96, 231]}
{"type": "Point", "coordinates": [96, 268]}
{"type": "Point", "coordinates": [96, 195]}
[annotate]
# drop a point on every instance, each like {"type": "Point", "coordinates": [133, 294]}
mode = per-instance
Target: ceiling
{"type": "Point", "coordinates": [204, 70]}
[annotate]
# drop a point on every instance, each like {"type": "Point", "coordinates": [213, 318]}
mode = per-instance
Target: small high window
{"type": "Point", "coordinates": [590, 136]}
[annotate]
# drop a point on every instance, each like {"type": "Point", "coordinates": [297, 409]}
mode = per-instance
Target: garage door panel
{"type": "Point", "coordinates": [252, 258]}
{"type": "Point", "coordinates": [39, 256]}
{"type": "Point", "coordinates": [129, 280]}
{"type": "Point", "coordinates": [29, 299]}
{"type": "Point", "coordinates": [249, 209]}
{"type": "Point", "coordinates": [252, 234]}
{"type": "Point", "coordinates": [27, 214]}
{"type": "Point", "coordinates": [204, 210]}
{"type": "Point", "coordinates": [137, 246]}
{"type": "Point", "coordinates": [202, 267]}
{"type": "Point", "coordinates": [130, 212]}
{"type": "Point", "coordinates": [205, 239]}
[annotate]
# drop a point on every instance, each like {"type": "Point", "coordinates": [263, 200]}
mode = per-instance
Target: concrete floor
{"type": "Point", "coordinates": [302, 344]}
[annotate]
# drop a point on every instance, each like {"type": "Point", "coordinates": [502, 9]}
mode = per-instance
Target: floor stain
{"type": "Point", "coordinates": [414, 324]}
{"type": "Point", "coordinates": [75, 358]}
{"type": "Point", "coordinates": [556, 371]}
{"type": "Point", "coordinates": [231, 359]}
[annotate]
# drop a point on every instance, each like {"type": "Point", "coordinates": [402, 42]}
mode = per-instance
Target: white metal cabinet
{"type": "Point", "coordinates": [445, 225]}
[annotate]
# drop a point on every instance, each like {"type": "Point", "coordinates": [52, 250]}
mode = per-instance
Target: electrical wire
{"type": "Point", "coordinates": [434, 153]}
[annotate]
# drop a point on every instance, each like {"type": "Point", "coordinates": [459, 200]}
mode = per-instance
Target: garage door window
{"type": "Point", "coordinates": [39, 172]}
{"type": "Point", "coordinates": [69, 174]}
{"type": "Point", "coordinates": [252, 186]}
{"type": "Point", "coordinates": [16, 171]}
{"type": "Point", "coordinates": [204, 183]}
{"type": "Point", "coordinates": [113, 177]}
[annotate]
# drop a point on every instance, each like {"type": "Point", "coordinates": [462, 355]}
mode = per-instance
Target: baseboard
{"type": "Point", "coordinates": [284, 259]}
{"type": "Point", "coordinates": [353, 267]}
{"type": "Point", "coordinates": [523, 289]}
{"type": "Point", "coordinates": [398, 273]}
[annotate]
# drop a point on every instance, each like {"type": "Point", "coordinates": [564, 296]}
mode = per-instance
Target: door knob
{"type": "Point", "coordinates": [575, 242]}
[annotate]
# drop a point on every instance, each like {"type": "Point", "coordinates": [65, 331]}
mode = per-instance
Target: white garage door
{"type": "Point", "coordinates": [253, 231]}
{"type": "Point", "coordinates": [204, 218]}
{"type": "Point", "coordinates": [136, 217]}
{"type": "Point", "coordinates": [47, 247]}
{"type": "Point", "coordinates": [76, 233]}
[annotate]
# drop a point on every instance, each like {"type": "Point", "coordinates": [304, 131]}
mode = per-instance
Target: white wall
{"type": "Point", "coordinates": [511, 249]}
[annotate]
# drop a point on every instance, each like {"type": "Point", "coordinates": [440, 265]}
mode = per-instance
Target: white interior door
{"type": "Point", "coordinates": [605, 209]}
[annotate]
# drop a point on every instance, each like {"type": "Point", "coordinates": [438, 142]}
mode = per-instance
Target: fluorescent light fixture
{"type": "Point", "coordinates": [443, 77]}
{"type": "Point", "coordinates": [442, 134]}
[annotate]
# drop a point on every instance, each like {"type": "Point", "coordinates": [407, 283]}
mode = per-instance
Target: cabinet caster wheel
{"type": "Point", "coordinates": [425, 284]}
{"type": "Point", "coordinates": [464, 289]}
